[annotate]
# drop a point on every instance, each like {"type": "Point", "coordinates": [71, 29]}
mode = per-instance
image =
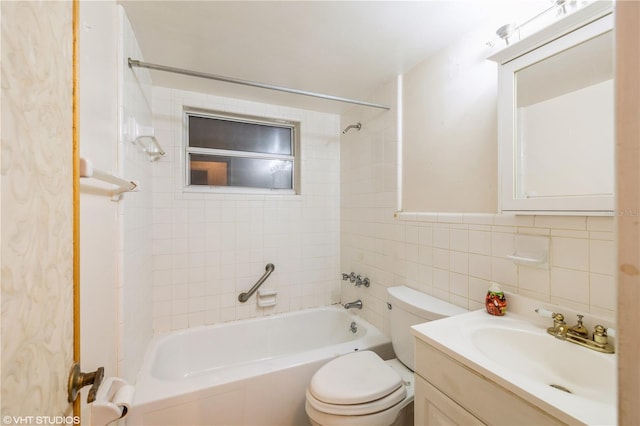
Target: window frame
{"type": "Point", "coordinates": [187, 151]}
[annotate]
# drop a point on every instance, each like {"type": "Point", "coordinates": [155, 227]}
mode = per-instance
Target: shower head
{"type": "Point", "coordinates": [356, 126]}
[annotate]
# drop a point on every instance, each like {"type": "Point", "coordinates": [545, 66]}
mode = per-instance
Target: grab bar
{"type": "Point", "coordinates": [243, 297]}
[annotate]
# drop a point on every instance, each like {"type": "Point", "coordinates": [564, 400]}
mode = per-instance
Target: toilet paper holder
{"type": "Point", "coordinates": [113, 401]}
{"type": "Point", "coordinates": [78, 380]}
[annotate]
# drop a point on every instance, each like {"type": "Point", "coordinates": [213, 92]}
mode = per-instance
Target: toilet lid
{"type": "Point", "coordinates": [356, 378]}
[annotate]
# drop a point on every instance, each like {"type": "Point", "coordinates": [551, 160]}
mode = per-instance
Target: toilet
{"type": "Point", "coordinates": [361, 388]}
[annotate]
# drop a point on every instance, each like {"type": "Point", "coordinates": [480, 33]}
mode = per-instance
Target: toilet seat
{"type": "Point", "coordinates": [355, 384]}
{"type": "Point", "coordinates": [371, 407]}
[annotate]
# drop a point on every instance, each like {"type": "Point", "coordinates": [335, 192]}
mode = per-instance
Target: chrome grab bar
{"type": "Point", "coordinates": [243, 297]}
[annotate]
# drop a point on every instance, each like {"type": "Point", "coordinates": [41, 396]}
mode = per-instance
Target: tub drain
{"type": "Point", "coordinates": [560, 387]}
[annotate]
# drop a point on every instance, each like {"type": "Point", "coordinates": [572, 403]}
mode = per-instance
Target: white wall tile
{"type": "Point", "coordinates": [603, 291]}
{"type": "Point", "coordinates": [478, 289]}
{"type": "Point", "coordinates": [570, 285]}
{"type": "Point", "coordinates": [480, 242]}
{"type": "Point", "coordinates": [219, 244]}
{"type": "Point", "coordinates": [601, 223]}
{"type": "Point", "coordinates": [425, 255]}
{"type": "Point", "coordinates": [534, 280]}
{"type": "Point", "coordinates": [426, 235]}
{"type": "Point", "coordinates": [441, 258]}
{"type": "Point", "coordinates": [138, 213]}
{"type": "Point", "coordinates": [502, 244]}
{"type": "Point", "coordinates": [441, 279]}
{"type": "Point", "coordinates": [602, 255]}
{"type": "Point", "coordinates": [504, 271]}
{"type": "Point", "coordinates": [514, 220]}
{"type": "Point", "coordinates": [459, 285]}
{"type": "Point", "coordinates": [572, 253]}
{"type": "Point", "coordinates": [441, 236]}
{"type": "Point", "coordinates": [561, 222]}
{"type": "Point", "coordinates": [459, 239]}
{"type": "Point", "coordinates": [459, 262]}
{"type": "Point", "coordinates": [480, 266]}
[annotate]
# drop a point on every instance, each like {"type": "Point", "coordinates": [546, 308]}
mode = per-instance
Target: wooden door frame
{"type": "Point", "coordinates": [76, 190]}
{"type": "Point", "coordinates": [628, 208]}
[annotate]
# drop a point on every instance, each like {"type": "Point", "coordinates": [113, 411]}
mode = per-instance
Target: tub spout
{"type": "Point", "coordinates": [357, 304]}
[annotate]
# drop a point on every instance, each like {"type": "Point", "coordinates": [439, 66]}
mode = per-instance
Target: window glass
{"type": "Point", "coordinates": [234, 152]}
{"type": "Point", "coordinates": [213, 170]}
{"type": "Point", "coordinates": [239, 136]}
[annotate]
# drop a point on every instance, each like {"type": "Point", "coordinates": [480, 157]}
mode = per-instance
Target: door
{"type": "Point", "coordinates": [37, 199]}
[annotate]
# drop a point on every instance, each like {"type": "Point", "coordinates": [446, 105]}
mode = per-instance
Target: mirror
{"type": "Point", "coordinates": [564, 123]}
{"type": "Point", "coordinates": [559, 126]}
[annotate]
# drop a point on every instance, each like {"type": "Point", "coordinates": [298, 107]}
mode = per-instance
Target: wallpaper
{"type": "Point", "coordinates": [36, 204]}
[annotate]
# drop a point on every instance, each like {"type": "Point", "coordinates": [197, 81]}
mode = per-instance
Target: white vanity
{"type": "Point", "coordinates": [481, 369]}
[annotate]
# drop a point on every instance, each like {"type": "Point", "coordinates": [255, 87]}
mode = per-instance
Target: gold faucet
{"type": "Point", "coordinates": [579, 335]}
{"type": "Point", "coordinates": [579, 329]}
{"type": "Point", "coordinates": [559, 329]}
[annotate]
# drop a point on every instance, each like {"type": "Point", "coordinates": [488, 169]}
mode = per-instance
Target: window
{"type": "Point", "coordinates": [228, 153]}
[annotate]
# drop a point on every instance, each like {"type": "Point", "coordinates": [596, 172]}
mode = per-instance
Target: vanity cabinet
{"type": "Point", "coordinates": [449, 393]}
{"type": "Point", "coordinates": [556, 117]}
{"type": "Point", "coordinates": [433, 408]}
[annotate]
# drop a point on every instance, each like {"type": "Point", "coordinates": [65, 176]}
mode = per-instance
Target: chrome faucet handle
{"type": "Point", "coordinates": [357, 279]}
{"type": "Point", "coordinates": [362, 281]}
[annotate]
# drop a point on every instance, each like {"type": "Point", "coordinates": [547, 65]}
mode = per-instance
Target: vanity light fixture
{"type": "Point", "coordinates": [505, 31]}
{"type": "Point", "coordinates": [557, 10]}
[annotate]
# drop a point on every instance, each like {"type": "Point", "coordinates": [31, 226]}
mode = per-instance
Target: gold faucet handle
{"type": "Point", "coordinates": [600, 335]}
{"type": "Point", "coordinates": [559, 326]}
{"type": "Point", "coordinates": [579, 328]}
{"type": "Point", "coordinates": [558, 319]}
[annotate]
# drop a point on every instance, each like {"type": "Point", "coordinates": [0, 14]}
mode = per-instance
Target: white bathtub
{"type": "Point", "coordinates": [250, 372]}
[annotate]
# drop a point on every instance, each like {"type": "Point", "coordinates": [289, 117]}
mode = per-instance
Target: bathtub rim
{"type": "Point", "coordinates": [150, 389]}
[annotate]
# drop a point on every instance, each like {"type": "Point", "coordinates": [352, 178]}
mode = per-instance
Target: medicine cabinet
{"type": "Point", "coordinates": [556, 118]}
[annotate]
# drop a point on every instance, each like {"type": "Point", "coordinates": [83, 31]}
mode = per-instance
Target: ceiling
{"type": "Point", "coordinates": [341, 48]}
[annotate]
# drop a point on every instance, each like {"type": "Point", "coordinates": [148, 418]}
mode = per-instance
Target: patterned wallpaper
{"type": "Point", "coordinates": [37, 262]}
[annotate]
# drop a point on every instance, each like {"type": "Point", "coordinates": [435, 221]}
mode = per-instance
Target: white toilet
{"type": "Point", "coordinates": [362, 389]}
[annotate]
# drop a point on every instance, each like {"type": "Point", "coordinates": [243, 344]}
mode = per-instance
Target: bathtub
{"type": "Point", "coordinates": [249, 372]}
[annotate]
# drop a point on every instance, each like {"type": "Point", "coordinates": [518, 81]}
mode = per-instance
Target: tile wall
{"type": "Point", "coordinates": [99, 225]}
{"type": "Point", "coordinates": [455, 256]}
{"type": "Point", "coordinates": [135, 212]}
{"type": "Point", "coordinates": [208, 248]}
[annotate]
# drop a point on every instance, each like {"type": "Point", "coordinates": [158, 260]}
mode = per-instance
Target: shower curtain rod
{"type": "Point", "coordinates": [139, 64]}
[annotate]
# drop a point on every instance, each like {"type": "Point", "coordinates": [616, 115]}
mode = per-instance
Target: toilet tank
{"type": "Point", "coordinates": [410, 307]}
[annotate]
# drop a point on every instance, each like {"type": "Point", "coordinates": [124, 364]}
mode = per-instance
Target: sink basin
{"type": "Point", "coordinates": [563, 366]}
{"type": "Point", "coordinates": [571, 382]}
